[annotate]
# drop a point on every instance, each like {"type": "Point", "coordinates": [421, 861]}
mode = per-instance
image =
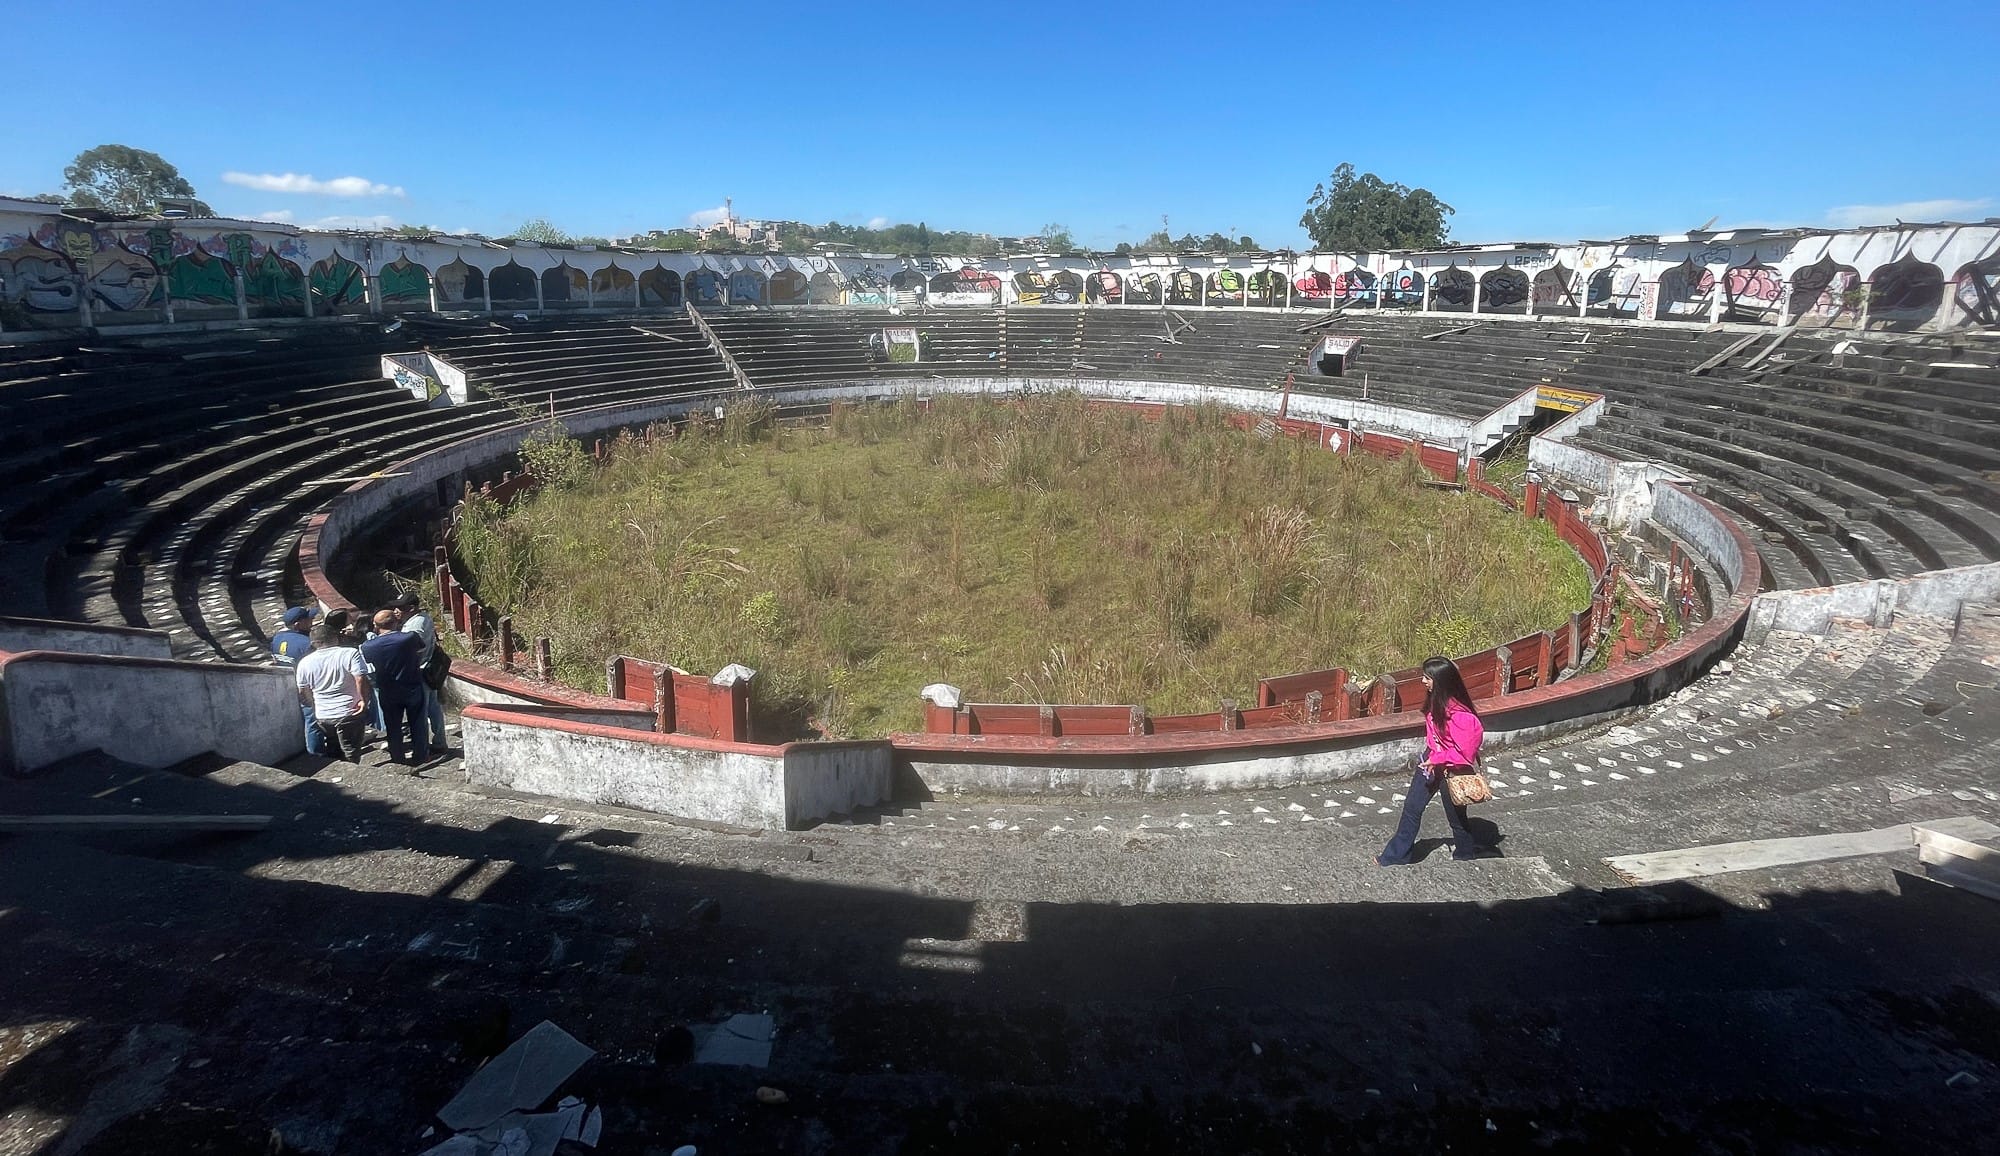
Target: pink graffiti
{"type": "Point", "coordinates": [1314, 283]}
{"type": "Point", "coordinates": [1755, 282]}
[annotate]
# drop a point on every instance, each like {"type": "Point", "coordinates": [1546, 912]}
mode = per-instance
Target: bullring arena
{"type": "Point", "coordinates": [1030, 924]}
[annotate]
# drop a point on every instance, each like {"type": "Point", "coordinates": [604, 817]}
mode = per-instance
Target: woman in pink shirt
{"type": "Point", "coordinates": [1452, 734]}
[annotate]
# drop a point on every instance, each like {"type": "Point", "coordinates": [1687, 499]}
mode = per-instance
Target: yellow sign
{"type": "Point", "coordinates": [1566, 400]}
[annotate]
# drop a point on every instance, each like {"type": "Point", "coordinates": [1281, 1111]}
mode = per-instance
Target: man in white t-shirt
{"type": "Point", "coordinates": [334, 679]}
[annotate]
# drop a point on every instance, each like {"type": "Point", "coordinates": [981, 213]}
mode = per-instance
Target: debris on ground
{"type": "Point", "coordinates": [741, 1040]}
{"type": "Point", "coordinates": [494, 1114]}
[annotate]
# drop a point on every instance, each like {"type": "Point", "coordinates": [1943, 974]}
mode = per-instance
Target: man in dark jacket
{"type": "Point", "coordinates": [398, 660]}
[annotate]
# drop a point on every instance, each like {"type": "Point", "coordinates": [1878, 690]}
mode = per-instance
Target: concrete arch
{"type": "Point", "coordinates": [564, 286]}
{"type": "Point", "coordinates": [1142, 289]}
{"type": "Point", "coordinates": [1613, 292]}
{"type": "Point", "coordinates": [1451, 290]}
{"type": "Point", "coordinates": [1686, 293]}
{"type": "Point", "coordinates": [787, 286]}
{"type": "Point", "coordinates": [703, 287]}
{"type": "Point", "coordinates": [1826, 292]}
{"type": "Point", "coordinates": [1401, 287]}
{"type": "Point", "coordinates": [1554, 290]}
{"type": "Point", "coordinates": [1904, 294]}
{"type": "Point", "coordinates": [1103, 287]}
{"type": "Point", "coordinates": [1313, 285]}
{"type": "Point", "coordinates": [1975, 291]}
{"type": "Point", "coordinates": [908, 280]}
{"type": "Point", "coordinates": [512, 283]}
{"type": "Point", "coordinates": [1267, 287]}
{"type": "Point", "coordinates": [1225, 287]}
{"type": "Point", "coordinates": [1504, 290]}
{"type": "Point", "coordinates": [1184, 287]}
{"type": "Point", "coordinates": [1752, 293]}
{"type": "Point", "coordinates": [1065, 288]}
{"type": "Point", "coordinates": [201, 281]}
{"type": "Point", "coordinates": [273, 285]}
{"type": "Point", "coordinates": [661, 287]}
{"type": "Point", "coordinates": [404, 284]}
{"type": "Point", "coordinates": [1354, 285]}
{"type": "Point", "coordinates": [612, 284]}
{"type": "Point", "coordinates": [38, 280]}
{"type": "Point", "coordinates": [460, 284]}
{"type": "Point", "coordinates": [337, 285]}
{"type": "Point", "coordinates": [746, 287]}
{"type": "Point", "coordinates": [1031, 287]}
{"type": "Point", "coordinates": [824, 287]}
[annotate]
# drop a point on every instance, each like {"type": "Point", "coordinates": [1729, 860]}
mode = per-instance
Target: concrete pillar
{"type": "Point", "coordinates": [635, 291]}
{"type": "Point", "coordinates": [167, 297]}
{"type": "Point", "coordinates": [308, 286]}
{"type": "Point", "coordinates": [1720, 291]}
{"type": "Point", "coordinates": [371, 290]}
{"type": "Point", "coordinates": [1531, 296]}
{"type": "Point", "coordinates": [242, 298]}
{"type": "Point", "coordinates": [1426, 308]}
{"type": "Point", "coordinates": [1475, 293]}
{"type": "Point", "coordinates": [83, 309]}
{"type": "Point", "coordinates": [538, 295]}
{"type": "Point", "coordinates": [486, 288]}
{"type": "Point", "coordinates": [590, 290]}
{"type": "Point", "coordinates": [434, 292]}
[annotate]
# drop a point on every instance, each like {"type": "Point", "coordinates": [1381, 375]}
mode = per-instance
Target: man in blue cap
{"type": "Point", "coordinates": [287, 647]}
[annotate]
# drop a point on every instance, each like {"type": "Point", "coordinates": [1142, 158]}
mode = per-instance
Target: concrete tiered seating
{"type": "Point", "coordinates": [184, 516]}
{"type": "Point", "coordinates": [810, 347]}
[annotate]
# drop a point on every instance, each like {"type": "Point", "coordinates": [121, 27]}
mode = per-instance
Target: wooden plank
{"type": "Point", "coordinates": [1734, 348]}
{"type": "Point", "coordinates": [1957, 862]}
{"type": "Point", "coordinates": [59, 824]}
{"type": "Point", "coordinates": [1758, 358]}
{"type": "Point", "coordinates": [1755, 854]}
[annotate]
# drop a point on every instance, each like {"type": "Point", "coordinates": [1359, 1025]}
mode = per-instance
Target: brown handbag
{"type": "Point", "coordinates": [1467, 787]}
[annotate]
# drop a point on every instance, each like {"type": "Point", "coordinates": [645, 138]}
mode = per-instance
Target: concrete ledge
{"type": "Point", "coordinates": [745, 784]}
{"type": "Point", "coordinates": [23, 634]}
{"type": "Point", "coordinates": [1939, 592]}
{"type": "Point", "coordinates": [148, 711]}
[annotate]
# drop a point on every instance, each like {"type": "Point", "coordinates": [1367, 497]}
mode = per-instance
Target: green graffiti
{"type": "Point", "coordinates": [274, 281]}
{"type": "Point", "coordinates": [200, 279]}
{"type": "Point", "coordinates": [337, 281]}
{"type": "Point", "coordinates": [405, 282]}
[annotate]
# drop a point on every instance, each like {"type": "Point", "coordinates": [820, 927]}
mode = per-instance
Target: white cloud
{"type": "Point", "coordinates": [307, 183]}
{"type": "Point", "coordinates": [281, 216]}
{"type": "Point", "coordinates": [704, 218]}
{"type": "Point", "coordinates": [1849, 216]}
{"type": "Point", "coordinates": [378, 221]}
{"type": "Point", "coordinates": [878, 222]}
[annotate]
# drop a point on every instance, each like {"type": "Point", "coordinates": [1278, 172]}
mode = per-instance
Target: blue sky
{"type": "Point", "coordinates": [1543, 121]}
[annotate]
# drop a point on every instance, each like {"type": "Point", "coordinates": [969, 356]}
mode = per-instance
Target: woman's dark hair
{"type": "Point", "coordinates": [1446, 685]}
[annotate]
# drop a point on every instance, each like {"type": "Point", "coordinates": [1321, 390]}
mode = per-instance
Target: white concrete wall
{"type": "Point", "coordinates": [1940, 592]}
{"type": "Point", "coordinates": [146, 711]}
{"type": "Point", "coordinates": [745, 790]}
{"type": "Point", "coordinates": [19, 634]}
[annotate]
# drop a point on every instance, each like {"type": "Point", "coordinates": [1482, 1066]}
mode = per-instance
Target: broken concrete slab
{"type": "Point", "coordinates": [741, 1040]}
{"type": "Point", "coordinates": [520, 1078]}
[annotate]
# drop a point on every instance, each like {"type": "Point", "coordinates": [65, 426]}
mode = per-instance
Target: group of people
{"type": "Point", "coordinates": [356, 672]}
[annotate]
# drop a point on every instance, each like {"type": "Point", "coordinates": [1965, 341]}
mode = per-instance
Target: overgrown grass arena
{"type": "Point", "coordinates": [1039, 549]}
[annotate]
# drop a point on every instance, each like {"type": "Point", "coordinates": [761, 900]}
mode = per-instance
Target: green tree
{"type": "Point", "coordinates": [1366, 213]}
{"type": "Point", "coordinates": [542, 230]}
{"type": "Point", "coordinates": [923, 239]}
{"type": "Point", "coordinates": [1056, 238]}
{"type": "Point", "coordinates": [1124, 249]}
{"type": "Point", "coordinates": [122, 179]}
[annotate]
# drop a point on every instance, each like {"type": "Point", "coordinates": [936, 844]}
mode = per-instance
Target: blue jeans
{"type": "Point", "coordinates": [315, 742]}
{"type": "Point", "coordinates": [434, 711]}
{"type": "Point", "coordinates": [1421, 788]}
{"type": "Point", "coordinates": [397, 713]}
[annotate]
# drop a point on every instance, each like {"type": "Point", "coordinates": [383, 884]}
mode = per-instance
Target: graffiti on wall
{"type": "Point", "coordinates": [1503, 288]}
{"type": "Point", "coordinates": [1684, 292]}
{"type": "Point", "coordinates": [1451, 288]}
{"type": "Point", "coordinates": [404, 282]}
{"type": "Point", "coordinates": [658, 286]}
{"type": "Point", "coordinates": [1976, 289]}
{"type": "Point", "coordinates": [746, 287]}
{"type": "Point", "coordinates": [1555, 288]}
{"type": "Point", "coordinates": [1142, 289]}
{"type": "Point", "coordinates": [1905, 290]}
{"type": "Point", "coordinates": [787, 287]}
{"type": "Point", "coordinates": [1313, 284]}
